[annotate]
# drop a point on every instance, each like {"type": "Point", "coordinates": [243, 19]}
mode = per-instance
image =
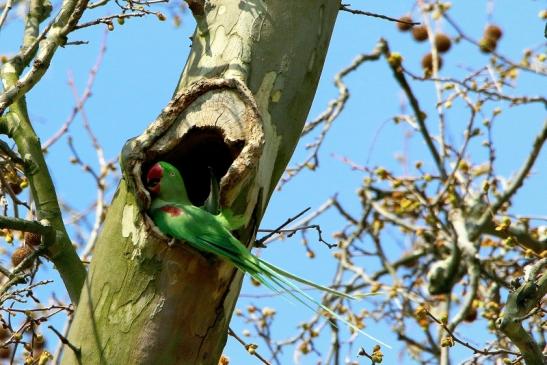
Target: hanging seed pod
{"type": "Point", "coordinates": [487, 45]}
{"type": "Point", "coordinates": [419, 33]}
{"type": "Point", "coordinates": [404, 27]}
{"type": "Point", "coordinates": [493, 31]}
{"type": "Point", "coordinates": [5, 352]}
{"type": "Point", "coordinates": [19, 255]}
{"type": "Point", "coordinates": [442, 42]}
{"type": "Point", "coordinates": [32, 239]}
{"type": "Point", "coordinates": [427, 63]}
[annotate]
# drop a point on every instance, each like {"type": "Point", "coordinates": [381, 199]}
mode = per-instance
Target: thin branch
{"type": "Point", "coordinates": [64, 22]}
{"type": "Point", "coordinates": [251, 348]}
{"type": "Point", "coordinates": [97, 4]}
{"type": "Point", "coordinates": [519, 304]}
{"type": "Point", "coordinates": [523, 237]}
{"type": "Point", "coordinates": [514, 186]}
{"type": "Point", "coordinates": [292, 231]}
{"type": "Point", "coordinates": [14, 157]}
{"type": "Point", "coordinates": [346, 7]}
{"type": "Point", "coordinates": [5, 12]}
{"type": "Point", "coordinates": [65, 341]}
{"type": "Point", "coordinates": [60, 249]}
{"type": "Point", "coordinates": [60, 346]}
{"type": "Point", "coordinates": [80, 102]}
{"type": "Point", "coordinates": [475, 350]}
{"type": "Point", "coordinates": [328, 117]}
{"type": "Point", "coordinates": [26, 226]}
{"type": "Point", "coordinates": [104, 167]}
{"type": "Point", "coordinates": [482, 89]}
{"type": "Point", "coordinates": [418, 113]}
{"type": "Point", "coordinates": [260, 242]}
{"type": "Point", "coordinates": [501, 57]}
{"type": "Point", "coordinates": [16, 201]}
{"type": "Point", "coordinates": [110, 18]}
{"type": "Point", "coordinates": [460, 155]}
{"type": "Point", "coordinates": [396, 220]}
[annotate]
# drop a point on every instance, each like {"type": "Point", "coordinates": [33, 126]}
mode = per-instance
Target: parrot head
{"type": "Point", "coordinates": [164, 182]}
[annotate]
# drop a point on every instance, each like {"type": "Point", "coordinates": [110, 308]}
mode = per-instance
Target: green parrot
{"type": "Point", "coordinates": [175, 216]}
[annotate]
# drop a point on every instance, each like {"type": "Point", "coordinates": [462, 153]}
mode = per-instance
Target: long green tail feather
{"type": "Point", "coordinates": [278, 276]}
{"type": "Point", "coordinates": [307, 282]}
{"type": "Point", "coordinates": [281, 282]}
{"type": "Point", "coordinates": [250, 258]}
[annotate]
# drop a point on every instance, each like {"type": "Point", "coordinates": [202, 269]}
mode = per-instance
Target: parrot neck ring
{"type": "Point", "coordinates": [153, 178]}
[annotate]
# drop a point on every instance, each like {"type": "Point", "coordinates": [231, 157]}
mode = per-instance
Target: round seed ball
{"type": "Point", "coordinates": [20, 254]}
{"type": "Point", "coordinates": [442, 42]}
{"type": "Point", "coordinates": [427, 62]}
{"type": "Point", "coordinates": [419, 33]}
{"type": "Point", "coordinates": [493, 31]}
{"type": "Point", "coordinates": [488, 44]}
{"type": "Point", "coordinates": [404, 27]}
{"type": "Point", "coordinates": [15, 187]}
{"type": "Point", "coordinates": [5, 352]}
{"type": "Point", "coordinates": [32, 239]}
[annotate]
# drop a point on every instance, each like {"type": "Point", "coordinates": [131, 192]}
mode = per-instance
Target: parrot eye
{"type": "Point", "coordinates": [172, 174]}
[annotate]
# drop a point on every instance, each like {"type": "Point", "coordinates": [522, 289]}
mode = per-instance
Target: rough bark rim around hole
{"type": "Point", "coordinates": [170, 128]}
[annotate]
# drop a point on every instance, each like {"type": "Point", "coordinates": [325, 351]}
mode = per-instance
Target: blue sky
{"type": "Point", "coordinates": [140, 70]}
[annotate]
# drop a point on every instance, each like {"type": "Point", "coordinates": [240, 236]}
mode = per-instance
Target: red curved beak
{"type": "Point", "coordinates": [153, 178]}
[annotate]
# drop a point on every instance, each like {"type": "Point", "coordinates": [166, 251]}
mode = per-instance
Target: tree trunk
{"type": "Point", "coordinates": [240, 107]}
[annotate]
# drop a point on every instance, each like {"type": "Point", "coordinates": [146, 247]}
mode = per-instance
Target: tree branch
{"type": "Point", "coordinates": [5, 12]}
{"type": "Point", "coordinates": [346, 7]}
{"type": "Point", "coordinates": [514, 186]}
{"type": "Point", "coordinates": [519, 304]}
{"type": "Point", "coordinates": [71, 11]}
{"type": "Point", "coordinates": [24, 225]}
{"type": "Point", "coordinates": [523, 237]}
{"type": "Point", "coordinates": [399, 75]}
{"type": "Point", "coordinates": [60, 251]}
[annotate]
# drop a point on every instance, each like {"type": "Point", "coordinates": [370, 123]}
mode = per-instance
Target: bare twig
{"type": "Point", "coordinates": [466, 343]}
{"type": "Point", "coordinates": [80, 102]}
{"type": "Point", "coordinates": [66, 20]}
{"type": "Point", "coordinates": [5, 12]}
{"type": "Point", "coordinates": [292, 231]}
{"type": "Point", "coordinates": [251, 348]}
{"type": "Point", "coordinates": [519, 304]}
{"type": "Point", "coordinates": [418, 113]}
{"type": "Point", "coordinates": [516, 183]}
{"type": "Point", "coordinates": [65, 341]}
{"type": "Point", "coordinates": [26, 226]}
{"type": "Point", "coordinates": [483, 89]}
{"type": "Point", "coordinates": [260, 242]}
{"type": "Point", "coordinates": [327, 118]}
{"type": "Point", "coordinates": [501, 57]}
{"type": "Point", "coordinates": [346, 7]}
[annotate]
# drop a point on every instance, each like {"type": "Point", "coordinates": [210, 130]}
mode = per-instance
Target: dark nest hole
{"type": "Point", "coordinates": [199, 149]}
